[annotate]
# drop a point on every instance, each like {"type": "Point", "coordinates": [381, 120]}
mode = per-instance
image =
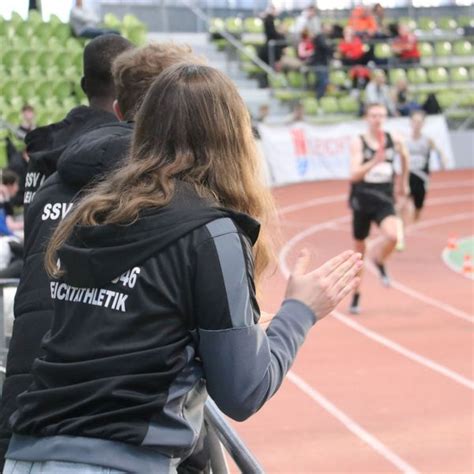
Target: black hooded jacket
{"type": "Point", "coordinates": [85, 160]}
{"type": "Point", "coordinates": [148, 318]}
{"type": "Point", "coordinates": [46, 144]}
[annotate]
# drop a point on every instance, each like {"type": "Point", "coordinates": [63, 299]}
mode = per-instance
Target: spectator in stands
{"type": "Point", "coordinates": [362, 22]}
{"type": "Point", "coordinates": [8, 190]}
{"type": "Point", "coordinates": [321, 59]}
{"type": "Point", "coordinates": [271, 53]}
{"type": "Point", "coordinates": [45, 144]}
{"type": "Point", "coordinates": [88, 157]}
{"type": "Point", "coordinates": [405, 46]}
{"type": "Point", "coordinates": [85, 23]}
{"type": "Point", "coordinates": [18, 163]}
{"type": "Point", "coordinates": [28, 121]}
{"type": "Point", "coordinates": [378, 92]}
{"type": "Point", "coordinates": [351, 49]}
{"type": "Point", "coordinates": [305, 46]}
{"type": "Point", "coordinates": [403, 100]}
{"type": "Point", "coordinates": [125, 374]}
{"type": "Point", "coordinates": [308, 21]}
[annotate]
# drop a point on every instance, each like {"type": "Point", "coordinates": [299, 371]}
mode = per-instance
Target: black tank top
{"type": "Point", "coordinates": [383, 173]}
{"type": "Point", "coordinates": [376, 187]}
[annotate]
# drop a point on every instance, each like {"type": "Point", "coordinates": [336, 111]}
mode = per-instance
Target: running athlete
{"type": "Point", "coordinates": [372, 197]}
{"type": "Point", "coordinates": [420, 147]}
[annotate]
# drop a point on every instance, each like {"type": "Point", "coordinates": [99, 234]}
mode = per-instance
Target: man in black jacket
{"type": "Point", "coordinates": [45, 144]}
{"type": "Point", "coordinates": [321, 59]}
{"type": "Point", "coordinates": [85, 160]}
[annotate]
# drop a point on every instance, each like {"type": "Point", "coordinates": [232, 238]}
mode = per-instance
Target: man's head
{"type": "Point", "coordinates": [135, 70]}
{"type": "Point", "coordinates": [10, 181]}
{"type": "Point", "coordinates": [99, 55]}
{"type": "Point", "coordinates": [417, 120]}
{"type": "Point", "coordinates": [348, 33]}
{"type": "Point", "coordinates": [311, 11]}
{"type": "Point", "coordinates": [28, 114]}
{"type": "Point", "coordinates": [375, 114]}
{"type": "Point", "coordinates": [379, 77]}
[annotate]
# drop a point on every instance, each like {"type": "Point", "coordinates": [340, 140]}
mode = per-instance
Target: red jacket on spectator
{"type": "Point", "coordinates": [305, 48]}
{"type": "Point", "coordinates": [405, 45]}
{"type": "Point", "coordinates": [353, 49]}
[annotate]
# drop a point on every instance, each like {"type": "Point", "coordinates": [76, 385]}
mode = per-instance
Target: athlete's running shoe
{"type": "Point", "coordinates": [382, 273]}
{"type": "Point", "coordinates": [354, 308]}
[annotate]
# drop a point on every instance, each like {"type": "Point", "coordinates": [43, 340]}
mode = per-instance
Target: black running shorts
{"type": "Point", "coordinates": [417, 190]}
{"type": "Point", "coordinates": [370, 205]}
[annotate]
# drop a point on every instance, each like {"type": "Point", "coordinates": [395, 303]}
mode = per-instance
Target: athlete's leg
{"type": "Point", "coordinates": [360, 231]}
{"type": "Point", "coordinates": [388, 226]}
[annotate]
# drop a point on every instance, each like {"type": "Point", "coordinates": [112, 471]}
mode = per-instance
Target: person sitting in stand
{"type": "Point", "coordinates": [405, 46]}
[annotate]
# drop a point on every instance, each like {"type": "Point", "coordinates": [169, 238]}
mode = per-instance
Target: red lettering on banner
{"type": "Point", "coordinates": [329, 146]}
{"type": "Point", "coordinates": [299, 141]}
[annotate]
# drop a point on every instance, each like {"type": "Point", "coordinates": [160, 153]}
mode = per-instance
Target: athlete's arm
{"type": "Point", "coordinates": [358, 168]}
{"type": "Point", "coordinates": [402, 151]}
{"type": "Point", "coordinates": [443, 160]}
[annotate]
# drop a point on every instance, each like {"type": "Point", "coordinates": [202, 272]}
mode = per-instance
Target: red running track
{"type": "Point", "coordinates": [390, 390]}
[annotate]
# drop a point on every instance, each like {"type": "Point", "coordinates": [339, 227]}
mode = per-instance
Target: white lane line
{"type": "Point", "coordinates": [313, 203]}
{"type": "Point", "coordinates": [450, 199]}
{"type": "Point", "coordinates": [452, 184]}
{"type": "Point", "coordinates": [430, 364]}
{"type": "Point", "coordinates": [351, 425]}
{"type": "Point", "coordinates": [345, 196]}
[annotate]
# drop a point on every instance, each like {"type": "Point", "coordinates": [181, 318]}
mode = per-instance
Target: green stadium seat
{"type": "Point", "coordinates": [445, 23]}
{"type": "Point", "coordinates": [62, 90]}
{"type": "Point", "coordinates": [459, 74]}
{"type": "Point", "coordinates": [417, 75]}
{"type": "Point", "coordinates": [131, 20]}
{"type": "Point", "coordinates": [426, 24]}
{"type": "Point", "coordinates": [61, 31]}
{"type": "Point", "coordinates": [397, 74]}
{"type": "Point", "coordinates": [253, 25]}
{"type": "Point", "coordinates": [349, 105]}
{"type": "Point", "coordinates": [311, 79]}
{"type": "Point", "coordinates": [24, 30]}
{"type": "Point", "coordinates": [28, 59]}
{"type": "Point", "coordinates": [290, 52]}
{"type": "Point", "coordinates": [438, 75]}
{"type": "Point", "coordinates": [329, 105]}
{"type": "Point", "coordinates": [426, 49]}
{"type": "Point", "coordinates": [277, 81]}
{"type": "Point", "coordinates": [467, 99]}
{"type": "Point", "coordinates": [463, 48]}
{"type": "Point", "coordinates": [16, 19]}
{"type": "Point", "coordinates": [443, 48]}
{"type": "Point", "coordinates": [112, 21]}
{"type": "Point", "coordinates": [45, 60]}
{"type": "Point", "coordinates": [45, 32]}
{"type": "Point", "coordinates": [234, 25]}
{"type": "Point", "coordinates": [16, 103]}
{"type": "Point", "coordinates": [216, 25]}
{"type": "Point", "coordinates": [382, 51]}
{"type": "Point", "coordinates": [27, 89]}
{"type": "Point", "coordinates": [446, 98]}
{"type": "Point", "coordinates": [310, 106]}
{"type": "Point", "coordinates": [464, 21]}
{"type": "Point", "coordinates": [63, 59]}
{"type": "Point", "coordinates": [338, 78]}
{"type": "Point", "coordinates": [11, 58]}
{"type": "Point", "coordinates": [471, 72]}
{"type": "Point", "coordinates": [34, 17]}
{"type": "Point", "coordinates": [295, 79]}
{"type": "Point", "coordinates": [410, 22]}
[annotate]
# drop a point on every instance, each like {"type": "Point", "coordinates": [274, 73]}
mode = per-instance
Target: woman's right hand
{"type": "Point", "coordinates": [322, 289]}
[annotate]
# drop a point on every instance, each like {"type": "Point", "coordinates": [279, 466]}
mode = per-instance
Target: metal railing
{"type": "Point", "coordinates": [238, 45]}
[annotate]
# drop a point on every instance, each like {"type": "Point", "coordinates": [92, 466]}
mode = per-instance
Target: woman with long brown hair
{"type": "Point", "coordinates": [153, 279]}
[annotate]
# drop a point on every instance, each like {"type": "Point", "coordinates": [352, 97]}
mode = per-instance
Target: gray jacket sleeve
{"type": "Point", "coordinates": [244, 365]}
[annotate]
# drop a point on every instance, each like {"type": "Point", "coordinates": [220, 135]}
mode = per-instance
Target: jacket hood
{"type": "Point", "coordinates": [94, 153]}
{"type": "Point", "coordinates": [45, 144]}
{"type": "Point", "coordinates": [95, 255]}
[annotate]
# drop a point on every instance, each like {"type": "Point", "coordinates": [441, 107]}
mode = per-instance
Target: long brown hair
{"type": "Point", "coordinates": [192, 126]}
